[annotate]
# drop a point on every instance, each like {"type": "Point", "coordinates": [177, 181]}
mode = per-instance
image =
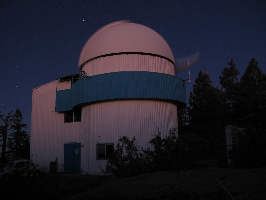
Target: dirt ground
{"type": "Point", "coordinates": [201, 183]}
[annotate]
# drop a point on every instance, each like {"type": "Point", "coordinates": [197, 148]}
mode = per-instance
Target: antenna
{"type": "Point", "coordinates": [189, 75]}
{"type": "Point", "coordinates": [185, 63]}
{"type": "Point", "coordinates": [188, 71]}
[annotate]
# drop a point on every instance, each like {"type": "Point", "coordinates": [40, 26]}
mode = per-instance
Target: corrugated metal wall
{"type": "Point", "coordinates": [48, 130]}
{"type": "Point", "coordinates": [129, 62]}
{"type": "Point", "coordinates": [100, 122]}
{"type": "Point", "coordinates": [63, 85]}
{"type": "Point", "coordinates": [106, 122]}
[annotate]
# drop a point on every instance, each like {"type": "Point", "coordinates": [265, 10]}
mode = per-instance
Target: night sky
{"type": "Point", "coordinates": [40, 41]}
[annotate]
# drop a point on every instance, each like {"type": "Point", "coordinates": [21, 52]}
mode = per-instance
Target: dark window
{"type": "Point", "coordinates": [73, 115]}
{"type": "Point", "coordinates": [77, 115]}
{"type": "Point", "coordinates": [69, 116]}
{"type": "Point", "coordinates": [104, 150]}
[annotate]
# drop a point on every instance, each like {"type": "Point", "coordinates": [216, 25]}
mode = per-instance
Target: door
{"type": "Point", "coordinates": [72, 157]}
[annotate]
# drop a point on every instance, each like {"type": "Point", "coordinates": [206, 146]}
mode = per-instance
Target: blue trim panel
{"type": "Point", "coordinates": [122, 85]}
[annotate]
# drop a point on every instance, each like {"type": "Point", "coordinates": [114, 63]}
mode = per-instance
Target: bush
{"type": "Point", "coordinates": [250, 152]}
{"type": "Point", "coordinates": [127, 160]}
{"type": "Point", "coordinates": [167, 154]}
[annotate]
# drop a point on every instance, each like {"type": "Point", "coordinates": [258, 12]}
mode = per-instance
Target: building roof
{"type": "Point", "coordinates": [123, 37]}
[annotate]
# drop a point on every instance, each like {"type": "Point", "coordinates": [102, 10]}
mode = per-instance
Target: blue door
{"type": "Point", "coordinates": [72, 157]}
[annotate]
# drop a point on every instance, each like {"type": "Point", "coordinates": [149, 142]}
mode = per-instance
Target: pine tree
{"type": "Point", "coordinates": [183, 119]}
{"type": "Point", "coordinates": [231, 89]}
{"type": "Point", "coordinates": [19, 140]}
{"type": "Point", "coordinates": [253, 96]}
{"type": "Point", "coordinates": [206, 103]}
{"type": "Point", "coordinates": [4, 134]}
{"type": "Point", "coordinates": [206, 115]}
{"type": "Point", "coordinates": [251, 149]}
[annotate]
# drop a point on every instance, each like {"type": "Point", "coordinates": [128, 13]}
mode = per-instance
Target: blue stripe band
{"type": "Point", "coordinates": [122, 85]}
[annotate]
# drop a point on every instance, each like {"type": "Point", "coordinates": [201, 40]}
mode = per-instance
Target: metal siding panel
{"type": "Point", "coordinates": [106, 122]}
{"type": "Point", "coordinates": [122, 85]}
{"type": "Point", "coordinates": [48, 130]}
{"type": "Point", "coordinates": [40, 134]}
{"type": "Point", "coordinates": [63, 85]}
{"type": "Point", "coordinates": [64, 100]}
{"type": "Point", "coordinates": [128, 62]}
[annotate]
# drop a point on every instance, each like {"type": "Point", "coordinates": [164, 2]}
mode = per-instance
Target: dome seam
{"type": "Point", "coordinates": [120, 53]}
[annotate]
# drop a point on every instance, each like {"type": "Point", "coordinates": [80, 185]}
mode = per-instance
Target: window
{"type": "Point", "coordinates": [104, 150]}
{"type": "Point", "coordinates": [77, 115]}
{"type": "Point", "coordinates": [73, 115]}
{"type": "Point", "coordinates": [69, 116]}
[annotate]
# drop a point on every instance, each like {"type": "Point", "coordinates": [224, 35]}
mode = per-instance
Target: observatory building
{"type": "Point", "coordinates": [126, 87]}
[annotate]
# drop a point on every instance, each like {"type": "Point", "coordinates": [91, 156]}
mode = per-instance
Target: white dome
{"type": "Point", "coordinates": [122, 37]}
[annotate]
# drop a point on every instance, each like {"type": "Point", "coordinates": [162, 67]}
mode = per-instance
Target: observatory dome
{"type": "Point", "coordinates": [124, 37]}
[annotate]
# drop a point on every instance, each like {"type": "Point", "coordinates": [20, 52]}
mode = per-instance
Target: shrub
{"type": "Point", "coordinates": [169, 153]}
{"type": "Point", "coordinates": [166, 154]}
{"type": "Point", "coordinates": [127, 160]}
{"type": "Point", "coordinates": [250, 151]}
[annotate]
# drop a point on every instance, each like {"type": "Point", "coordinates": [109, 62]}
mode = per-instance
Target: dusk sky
{"type": "Point", "coordinates": [41, 40]}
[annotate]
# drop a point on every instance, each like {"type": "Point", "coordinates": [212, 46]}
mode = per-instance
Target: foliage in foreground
{"type": "Point", "coordinates": [250, 152]}
{"type": "Point", "coordinates": [127, 160]}
{"type": "Point", "coordinates": [169, 153]}
{"type": "Point", "coordinates": [166, 154]}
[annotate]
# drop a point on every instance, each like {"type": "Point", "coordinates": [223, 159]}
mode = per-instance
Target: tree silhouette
{"type": "Point", "coordinates": [253, 96]}
{"type": "Point", "coordinates": [206, 106]}
{"type": "Point", "coordinates": [206, 116]}
{"type": "Point", "coordinates": [4, 134]}
{"type": "Point", "coordinates": [19, 141]}
{"type": "Point", "coordinates": [245, 108]}
{"type": "Point", "coordinates": [231, 88]}
{"type": "Point", "coordinates": [183, 119]}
